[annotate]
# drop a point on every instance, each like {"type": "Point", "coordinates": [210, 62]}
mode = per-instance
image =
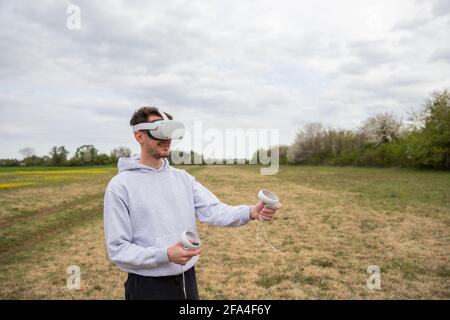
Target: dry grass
{"type": "Point", "coordinates": [334, 224]}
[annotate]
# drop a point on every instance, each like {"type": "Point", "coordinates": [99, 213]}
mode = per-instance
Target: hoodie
{"type": "Point", "coordinates": [147, 209]}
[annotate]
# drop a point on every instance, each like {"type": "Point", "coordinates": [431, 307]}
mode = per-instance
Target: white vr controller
{"type": "Point", "coordinates": [190, 240]}
{"type": "Point", "coordinates": [269, 199]}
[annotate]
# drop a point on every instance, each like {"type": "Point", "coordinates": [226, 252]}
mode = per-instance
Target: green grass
{"type": "Point", "coordinates": [390, 188]}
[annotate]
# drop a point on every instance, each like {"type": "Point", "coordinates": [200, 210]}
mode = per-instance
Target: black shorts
{"type": "Point", "coordinates": [161, 288]}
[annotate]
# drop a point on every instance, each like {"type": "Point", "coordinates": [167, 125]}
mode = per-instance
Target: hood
{"type": "Point", "coordinates": [132, 164]}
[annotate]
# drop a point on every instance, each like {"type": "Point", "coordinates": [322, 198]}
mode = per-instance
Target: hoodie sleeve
{"type": "Point", "coordinates": [210, 210]}
{"type": "Point", "coordinates": [118, 236]}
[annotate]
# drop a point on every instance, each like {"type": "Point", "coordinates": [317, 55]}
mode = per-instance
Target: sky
{"type": "Point", "coordinates": [229, 64]}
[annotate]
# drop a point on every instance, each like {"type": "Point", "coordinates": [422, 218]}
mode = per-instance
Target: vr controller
{"type": "Point", "coordinates": [190, 240]}
{"type": "Point", "coordinates": [269, 199]}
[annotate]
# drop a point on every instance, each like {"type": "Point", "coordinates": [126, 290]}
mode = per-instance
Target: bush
{"type": "Point", "coordinates": [9, 163]}
{"type": "Point", "coordinates": [430, 139]}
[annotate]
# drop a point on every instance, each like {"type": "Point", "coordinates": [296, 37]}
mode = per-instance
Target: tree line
{"type": "Point", "coordinates": [85, 155]}
{"type": "Point", "coordinates": [382, 140]}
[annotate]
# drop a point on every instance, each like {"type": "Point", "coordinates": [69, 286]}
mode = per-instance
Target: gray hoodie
{"type": "Point", "coordinates": [147, 209]}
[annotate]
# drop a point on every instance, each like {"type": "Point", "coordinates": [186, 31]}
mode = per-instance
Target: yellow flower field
{"type": "Point", "coordinates": [15, 184]}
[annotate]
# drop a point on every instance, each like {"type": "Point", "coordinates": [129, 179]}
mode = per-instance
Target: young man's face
{"type": "Point", "coordinates": [156, 148]}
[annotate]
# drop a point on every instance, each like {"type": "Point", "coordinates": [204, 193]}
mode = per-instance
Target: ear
{"type": "Point", "coordinates": [139, 136]}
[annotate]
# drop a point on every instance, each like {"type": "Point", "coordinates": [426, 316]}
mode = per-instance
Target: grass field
{"type": "Point", "coordinates": [334, 224]}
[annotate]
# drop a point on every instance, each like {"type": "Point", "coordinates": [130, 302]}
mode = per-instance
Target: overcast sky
{"type": "Point", "coordinates": [231, 64]}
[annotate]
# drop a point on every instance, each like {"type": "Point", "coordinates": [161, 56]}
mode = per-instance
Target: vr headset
{"type": "Point", "coordinates": [162, 129]}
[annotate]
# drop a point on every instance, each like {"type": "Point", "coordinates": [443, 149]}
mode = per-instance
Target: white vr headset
{"type": "Point", "coordinates": [162, 129]}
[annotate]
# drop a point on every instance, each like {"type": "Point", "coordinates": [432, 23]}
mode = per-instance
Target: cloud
{"type": "Point", "coordinates": [441, 7]}
{"type": "Point", "coordinates": [255, 64]}
{"type": "Point", "coordinates": [411, 24]}
{"type": "Point", "coordinates": [441, 54]}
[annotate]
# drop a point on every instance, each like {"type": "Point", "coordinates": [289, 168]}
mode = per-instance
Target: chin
{"type": "Point", "coordinates": [164, 154]}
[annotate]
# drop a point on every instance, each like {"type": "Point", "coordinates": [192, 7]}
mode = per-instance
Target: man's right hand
{"type": "Point", "coordinates": [179, 255]}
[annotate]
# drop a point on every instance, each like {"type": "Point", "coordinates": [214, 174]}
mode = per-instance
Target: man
{"type": "Point", "coordinates": [146, 208]}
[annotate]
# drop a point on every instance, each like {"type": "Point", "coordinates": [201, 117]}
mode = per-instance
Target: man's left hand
{"type": "Point", "coordinates": [259, 211]}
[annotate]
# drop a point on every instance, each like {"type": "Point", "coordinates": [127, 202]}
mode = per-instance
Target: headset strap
{"type": "Point", "coordinates": [163, 115]}
{"type": "Point", "coordinates": [150, 125]}
{"type": "Point", "coordinates": [145, 126]}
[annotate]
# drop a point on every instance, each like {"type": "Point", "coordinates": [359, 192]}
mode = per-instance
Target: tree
{"type": "Point", "coordinates": [315, 144]}
{"type": "Point", "coordinates": [103, 159]}
{"type": "Point", "coordinates": [430, 140]}
{"type": "Point", "coordinates": [27, 152]}
{"type": "Point", "coordinates": [381, 128]}
{"type": "Point", "coordinates": [308, 145]}
{"type": "Point", "coordinates": [58, 155]}
{"type": "Point", "coordinates": [9, 163]}
{"type": "Point", "coordinates": [35, 161]}
{"type": "Point", "coordinates": [120, 152]}
{"type": "Point", "coordinates": [85, 154]}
